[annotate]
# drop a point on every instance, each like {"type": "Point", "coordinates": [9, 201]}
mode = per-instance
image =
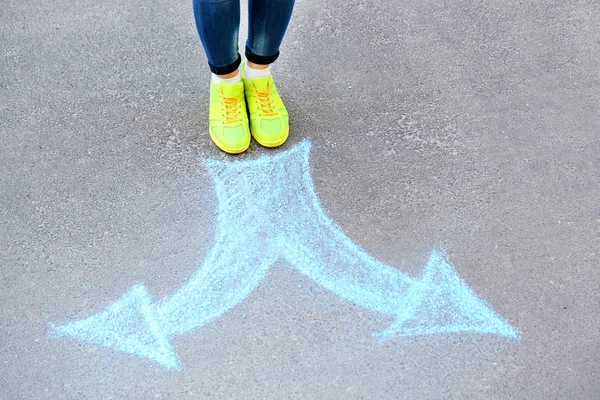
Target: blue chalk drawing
{"type": "Point", "coordinates": [268, 210]}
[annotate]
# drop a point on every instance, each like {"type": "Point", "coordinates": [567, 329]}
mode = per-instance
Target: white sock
{"type": "Point", "coordinates": [237, 78]}
{"type": "Point", "coordinates": [250, 73]}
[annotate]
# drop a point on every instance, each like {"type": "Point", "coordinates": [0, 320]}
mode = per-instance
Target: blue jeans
{"type": "Point", "coordinates": [218, 24]}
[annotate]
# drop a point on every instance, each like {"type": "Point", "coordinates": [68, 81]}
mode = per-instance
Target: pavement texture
{"type": "Point", "coordinates": [473, 126]}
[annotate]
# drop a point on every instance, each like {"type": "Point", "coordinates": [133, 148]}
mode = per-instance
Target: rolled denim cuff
{"type": "Point", "coordinates": [263, 60]}
{"type": "Point", "coordinates": [226, 69]}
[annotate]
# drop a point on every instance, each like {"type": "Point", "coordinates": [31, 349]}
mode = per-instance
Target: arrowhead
{"type": "Point", "coordinates": [441, 302]}
{"type": "Point", "coordinates": [128, 325]}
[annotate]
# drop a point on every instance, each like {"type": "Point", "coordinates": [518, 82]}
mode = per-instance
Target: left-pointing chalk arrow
{"type": "Point", "coordinates": [133, 324]}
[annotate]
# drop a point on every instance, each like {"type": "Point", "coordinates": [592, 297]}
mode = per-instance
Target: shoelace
{"type": "Point", "coordinates": [231, 112]}
{"type": "Point", "coordinates": [266, 103]}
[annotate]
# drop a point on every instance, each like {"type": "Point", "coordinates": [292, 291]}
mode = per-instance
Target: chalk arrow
{"type": "Point", "coordinates": [267, 210]}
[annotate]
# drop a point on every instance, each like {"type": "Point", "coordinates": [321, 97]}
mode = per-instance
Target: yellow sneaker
{"type": "Point", "coordinates": [269, 122]}
{"type": "Point", "coordinates": [228, 121]}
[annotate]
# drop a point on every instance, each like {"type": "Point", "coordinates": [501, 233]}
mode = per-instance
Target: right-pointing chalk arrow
{"type": "Point", "coordinates": [268, 209]}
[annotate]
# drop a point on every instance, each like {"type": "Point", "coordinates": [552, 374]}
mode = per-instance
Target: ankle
{"type": "Point", "coordinates": [250, 72]}
{"type": "Point", "coordinates": [232, 77]}
{"type": "Point", "coordinates": [257, 66]}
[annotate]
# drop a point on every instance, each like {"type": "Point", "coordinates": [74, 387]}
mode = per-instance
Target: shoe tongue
{"type": "Point", "coordinates": [262, 82]}
{"type": "Point", "coordinates": [231, 89]}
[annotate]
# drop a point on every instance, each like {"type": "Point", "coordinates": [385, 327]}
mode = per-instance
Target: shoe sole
{"type": "Point", "coordinates": [229, 150]}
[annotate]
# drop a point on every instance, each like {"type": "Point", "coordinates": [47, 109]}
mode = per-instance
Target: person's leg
{"type": "Point", "coordinates": [218, 24]}
{"type": "Point", "coordinates": [267, 22]}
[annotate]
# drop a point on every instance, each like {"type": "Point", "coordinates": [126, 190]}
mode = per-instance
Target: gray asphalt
{"type": "Point", "coordinates": [468, 125]}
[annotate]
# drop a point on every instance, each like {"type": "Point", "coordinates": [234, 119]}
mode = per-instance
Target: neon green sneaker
{"type": "Point", "coordinates": [228, 121]}
{"type": "Point", "coordinates": [269, 122]}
